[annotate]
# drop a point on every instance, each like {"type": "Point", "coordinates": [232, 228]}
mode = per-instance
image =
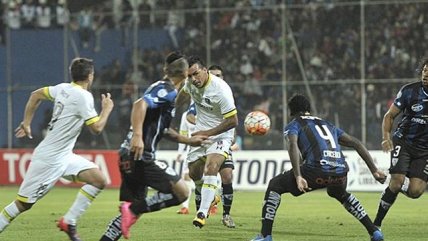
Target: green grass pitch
{"type": "Point", "coordinates": [311, 217]}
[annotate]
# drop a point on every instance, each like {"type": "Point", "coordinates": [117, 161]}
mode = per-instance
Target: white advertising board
{"type": "Point", "coordinates": [254, 169]}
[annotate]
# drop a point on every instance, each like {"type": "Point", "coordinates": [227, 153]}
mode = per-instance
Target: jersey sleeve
{"type": "Point", "coordinates": [291, 129]}
{"type": "Point", "coordinates": [87, 109]}
{"type": "Point", "coordinates": [227, 103]}
{"type": "Point", "coordinates": [50, 92]}
{"type": "Point", "coordinates": [400, 99]}
{"type": "Point", "coordinates": [159, 95]}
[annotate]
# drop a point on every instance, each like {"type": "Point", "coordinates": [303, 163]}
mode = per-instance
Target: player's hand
{"type": "Point", "coordinates": [302, 184]}
{"type": "Point", "coordinates": [106, 102]}
{"type": "Point", "coordinates": [23, 130]}
{"type": "Point", "coordinates": [380, 176]}
{"type": "Point", "coordinates": [137, 146]}
{"type": "Point", "coordinates": [387, 145]}
{"type": "Point", "coordinates": [199, 140]}
{"type": "Point", "coordinates": [179, 158]}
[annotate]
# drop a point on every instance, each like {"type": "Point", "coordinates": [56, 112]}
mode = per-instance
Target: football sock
{"type": "Point", "coordinates": [227, 197]}
{"type": "Point", "coordinates": [10, 212]}
{"type": "Point", "coordinates": [198, 187]}
{"type": "Point", "coordinates": [271, 203]}
{"type": "Point", "coordinates": [185, 204]}
{"type": "Point", "coordinates": [84, 198]}
{"type": "Point", "coordinates": [154, 203]}
{"type": "Point", "coordinates": [354, 207]}
{"type": "Point", "coordinates": [208, 192]}
{"type": "Point", "coordinates": [386, 201]}
{"type": "Point", "coordinates": [113, 232]}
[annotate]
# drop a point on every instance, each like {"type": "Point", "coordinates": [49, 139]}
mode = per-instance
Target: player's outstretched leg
{"type": "Point", "coordinates": [356, 209]}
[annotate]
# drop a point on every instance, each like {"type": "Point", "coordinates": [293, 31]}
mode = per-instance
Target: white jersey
{"type": "Point", "coordinates": [73, 106]}
{"type": "Point", "coordinates": [214, 102]}
{"type": "Point", "coordinates": [186, 129]}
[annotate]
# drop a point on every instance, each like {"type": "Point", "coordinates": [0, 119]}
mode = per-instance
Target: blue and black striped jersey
{"type": "Point", "coordinates": [412, 100]}
{"type": "Point", "coordinates": [160, 98]}
{"type": "Point", "coordinates": [318, 142]}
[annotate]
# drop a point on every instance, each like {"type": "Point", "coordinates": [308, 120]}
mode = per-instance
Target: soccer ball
{"type": "Point", "coordinates": [257, 123]}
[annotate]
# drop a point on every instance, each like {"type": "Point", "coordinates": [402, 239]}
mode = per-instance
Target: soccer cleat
{"type": "Point", "coordinates": [128, 219]}
{"type": "Point", "coordinates": [199, 220]}
{"type": "Point", "coordinates": [228, 221]}
{"type": "Point", "coordinates": [377, 236]}
{"type": "Point", "coordinates": [260, 237]}
{"type": "Point", "coordinates": [213, 210]}
{"type": "Point", "coordinates": [213, 207]}
{"type": "Point", "coordinates": [69, 229]}
{"type": "Point", "coordinates": [183, 210]}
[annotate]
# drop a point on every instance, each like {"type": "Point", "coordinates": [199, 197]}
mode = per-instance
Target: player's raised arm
{"type": "Point", "coordinates": [36, 97]}
{"type": "Point", "coordinates": [106, 108]}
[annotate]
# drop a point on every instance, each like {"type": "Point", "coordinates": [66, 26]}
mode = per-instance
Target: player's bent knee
{"type": "Point", "coordinates": [22, 207]}
{"type": "Point", "coordinates": [180, 190]}
{"type": "Point", "coordinates": [415, 193]}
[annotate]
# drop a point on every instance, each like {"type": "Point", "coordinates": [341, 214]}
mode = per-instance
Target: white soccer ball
{"type": "Point", "coordinates": [257, 123]}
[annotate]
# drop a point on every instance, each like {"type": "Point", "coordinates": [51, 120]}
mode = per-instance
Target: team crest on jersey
{"type": "Point", "coordinates": [417, 107]}
{"type": "Point", "coordinates": [162, 93]}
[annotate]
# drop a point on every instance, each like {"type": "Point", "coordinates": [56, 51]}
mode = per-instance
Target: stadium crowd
{"type": "Point", "coordinates": [248, 41]}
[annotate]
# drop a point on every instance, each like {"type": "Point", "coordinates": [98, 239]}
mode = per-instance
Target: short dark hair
{"type": "Point", "coordinates": [175, 64]}
{"type": "Point", "coordinates": [81, 68]}
{"type": "Point", "coordinates": [299, 104]}
{"type": "Point", "coordinates": [195, 60]}
{"type": "Point", "coordinates": [215, 67]}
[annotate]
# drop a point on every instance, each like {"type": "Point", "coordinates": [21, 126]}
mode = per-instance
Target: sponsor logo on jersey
{"type": "Point", "coordinates": [417, 107]}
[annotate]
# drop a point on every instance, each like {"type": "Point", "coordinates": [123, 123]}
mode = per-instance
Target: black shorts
{"type": "Point", "coordinates": [137, 176]}
{"type": "Point", "coordinates": [408, 160]}
{"type": "Point", "coordinates": [228, 162]}
{"type": "Point", "coordinates": [316, 179]}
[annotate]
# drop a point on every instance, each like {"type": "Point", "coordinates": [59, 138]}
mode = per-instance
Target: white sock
{"type": "Point", "coordinates": [208, 193]}
{"type": "Point", "coordinates": [10, 212]}
{"type": "Point", "coordinates": [84, 198]}
{"type": "Point", "coordinates": [185, 204]}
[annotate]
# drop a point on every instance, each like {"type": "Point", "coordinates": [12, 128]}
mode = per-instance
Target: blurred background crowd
{"type": "Point", "coordinates": [349, 57]}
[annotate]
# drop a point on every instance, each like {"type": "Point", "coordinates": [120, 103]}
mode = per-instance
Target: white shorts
{"type": "Point", "coordinates": [41, 176]}
{"type": "Point", "coordinates": [219, 146]}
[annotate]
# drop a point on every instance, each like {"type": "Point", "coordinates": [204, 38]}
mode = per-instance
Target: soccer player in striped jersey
{"type": "Point", "coordinates": [151, 116]}
{"type": "Point", "coordinates": [53, 158]}
{"type": "Point", "coordinates": [216, 118]}
{"type": "Point", "coordinates": [408, 145]}
{"type": "Point", "coordinates": [316, 143]}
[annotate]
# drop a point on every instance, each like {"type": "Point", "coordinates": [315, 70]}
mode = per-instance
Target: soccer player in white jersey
{"type": "Point", "coordinates": [53, 158]}
{"type": "Point", "coordinates": [217, 116]}
{"type": "Point", "coordinates": [186, 128]}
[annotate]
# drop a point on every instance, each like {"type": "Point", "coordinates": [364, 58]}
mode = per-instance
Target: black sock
{"type": "Point", "coordinates": [270, 205]}
{"type": "Point", "coordinates": [154, 203]}
{"type": "Point", "coordinates": [227, 197]}
{"type": "Point", "coordinates": [197, 199]}
{"type": "Point", "coordinates": [386, 201]}
{"type": "Point", "coordinates": [113, 232]}
{"type": "Point", "coordinates": [354, 207]}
